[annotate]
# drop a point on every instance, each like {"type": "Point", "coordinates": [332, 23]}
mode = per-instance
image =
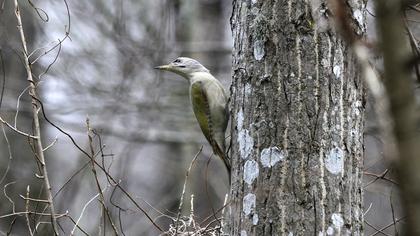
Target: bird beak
{"type": "Point", "coordinates": [163, 67]}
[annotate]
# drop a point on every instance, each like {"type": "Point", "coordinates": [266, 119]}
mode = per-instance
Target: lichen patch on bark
{"type": "Point", "coordinates": [334, 161]}
{"type": "Point", "coordinates": [251, 171]}
{"type": "Point", "coordinates": [249, 203]}
{"type": "Point", "coordinates": [270, 156]}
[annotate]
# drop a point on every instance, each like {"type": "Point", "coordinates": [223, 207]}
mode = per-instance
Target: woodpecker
{"type": "Point", "coordinates": [209, 102]}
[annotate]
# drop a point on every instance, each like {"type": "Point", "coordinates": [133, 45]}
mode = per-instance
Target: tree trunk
{"type": "Point", "coordinates": [297, 121]}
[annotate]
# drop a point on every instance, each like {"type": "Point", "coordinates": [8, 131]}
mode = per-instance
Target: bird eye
{"type": "Point", "coordinates": [177, 61]}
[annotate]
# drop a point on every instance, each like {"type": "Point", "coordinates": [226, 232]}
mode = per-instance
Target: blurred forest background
{"type": "Point", "coordinates": [145, 132]}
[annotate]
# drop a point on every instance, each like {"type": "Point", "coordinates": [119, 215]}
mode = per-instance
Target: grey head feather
{"type": "Point", "coordinates": [184, 66]}
{"type": "Point", "coordinates": [189, 65]}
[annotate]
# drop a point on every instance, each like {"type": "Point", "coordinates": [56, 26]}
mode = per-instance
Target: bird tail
{"type": "Point", "coordinates": [220, 152]}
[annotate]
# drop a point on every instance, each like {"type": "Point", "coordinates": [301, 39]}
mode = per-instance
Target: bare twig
{"type": "Point", "coordinates": [18, 104]}
{"type": "Point", "coordinates": [378, 231]}
{"type": "Point", "coordinates": [9, 149]}
{"type": "Point", "coordinates": [22, 213]}
{"type": "Point", "coordinates": [37, 128]}
{"type": "Point", "coordinates": [18, 131]}
{"type": "Point", "coordinates": [7, 196]}
{"type": "Point", "coordinates": [393, 215]}
{"type": "Point", "coordinates": [98, 185]}
{"type": "Point", "coordinates": [9, 232]}
{"type": "Point", "coordinates": [367, 210]}
{"type": "Point", "coordinates": [28, 223]}
{"type": "Point", "coordinates": [51, 144]}
{"type": "Point", "coordinates": [83, 211]}
{"type": "Point", "coordinates": [192, 221]}
{"type": "Point", "coordinates": [75, 223]}
{"type": "Point", "coordinates": [379, 176]}
{"type": "Point", "coordinates": [181, 201]}
{"type": "Point", "coordinates": [33, 199]}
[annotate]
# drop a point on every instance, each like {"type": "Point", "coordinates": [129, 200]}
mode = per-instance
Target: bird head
{"type": "Point", "coordinates": [183, 66]}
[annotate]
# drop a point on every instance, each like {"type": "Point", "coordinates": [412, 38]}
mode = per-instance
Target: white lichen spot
{"type": "Point", "coordinates": [255, 219]}
{"type": "Point", "coordinates": [337, 220]}
{"type": "Point", "coordinates": [330, 230]}
{"type": "Point", "coordinates": [247, 89]}
{"type": "Point", "coordinates": [259, 51]}
{"type": "Point", "coordinates": [243, 233]}
{"type": "Point", "coordinates": [334, 161]}
{"type": "Point", "coordinates": [358, 15]}
{"type": "Point", "coordinates": [251, 171]}
{"type": "Point", "coordinates": [249, 203]}
{"type": "Point", "coordinates": [246, 142]}
{"type": "Point", "coordinates": [270, 156]}
{"type": "Point", "coordinates": [240, 119]}
{"type": "Point", "coordinates": [337, 71]}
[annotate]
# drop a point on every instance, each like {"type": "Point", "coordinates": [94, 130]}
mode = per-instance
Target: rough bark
{"type": "Point", "coordinates": [297, 121]}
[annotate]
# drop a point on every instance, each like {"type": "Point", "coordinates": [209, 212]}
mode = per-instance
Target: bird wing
{"type": "Point", "coordinates": [202, 109]}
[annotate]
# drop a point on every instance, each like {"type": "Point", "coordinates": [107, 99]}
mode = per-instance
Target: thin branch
{"type": "Point", "coordinates": [37, 128]}
{"type": "Point", "coordinates": [385, 227]}
{"type": "Point", "coordinates": [22, 213]}
{"type": "Point", "coordinates": [51, 144]}
{"type": "Point", "coordinates": [9, 149]}
{"type": "Point", "coordinates": [18, 104]}
{"type": "Point", "coordinates": [28, 223]}
{"type": "Point", "coordinates": [83, 211]}
{"type": "Point", "coordinates": [393, 216]}
{"type": "Point", "coordinates": [18, 131]}
{"type": "Point", "coordinates": [98, 185]}
{"type": "Point", "coordinates": [7, 196]}
{"type": "Point", "coordinates": [378, 231]}
{"type": "Point", "coordinates": [33, 199]}
{"type": "Point", "coordinates": [367, 210]}
{"type": "Point", "coordinates": [74, 222]}
{"type": "Point", "coordinates": [379, 176]}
